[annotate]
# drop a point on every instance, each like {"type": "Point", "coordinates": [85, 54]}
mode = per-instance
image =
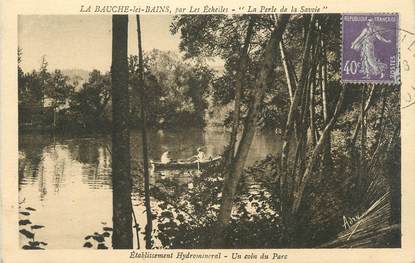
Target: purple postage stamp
{"type": "Point", "coordinates": [370, 48]}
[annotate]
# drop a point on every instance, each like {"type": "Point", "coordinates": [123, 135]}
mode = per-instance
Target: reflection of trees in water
{"type": "Point", "coordinates": [88, 152]}
{"type": "Point", "coordinates": [54, 158]}
{"type": "Point", "coordinates": [30, 157]}
{"type": "Point", "coordinates": [93, 155]}
{"type": "Point", "coordinates": [38, 161]}
{"type": "Point", "coordinates": [98, 173]}
{"type": "Point", "coordinates": [45, 161]}
{"type": "Point", "coordinates": [61, 156]}
{"type": "Point", "coordinates": [73, 150]}
{"type": "Point", "coordinates": [42, 184]}
{"type": "Point", "coordinates": [31, 148]}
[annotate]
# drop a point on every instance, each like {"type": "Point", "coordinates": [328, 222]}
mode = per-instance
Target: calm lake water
{"type": "Point", "coordinates": [68, 180]}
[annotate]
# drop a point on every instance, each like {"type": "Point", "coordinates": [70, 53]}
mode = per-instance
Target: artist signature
{"type": "Point", "coordinates": [349, 221]}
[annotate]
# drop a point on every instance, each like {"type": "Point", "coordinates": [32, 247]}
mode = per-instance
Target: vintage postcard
{"type": "Point", "coordinates": [207, 131]}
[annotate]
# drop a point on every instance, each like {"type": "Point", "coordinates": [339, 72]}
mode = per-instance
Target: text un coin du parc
{"type": "Point", "coordinates": [191, 256]}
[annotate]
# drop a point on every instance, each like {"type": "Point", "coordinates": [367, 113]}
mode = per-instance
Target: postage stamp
{"type": "Point", "coordinates": [370, 51]}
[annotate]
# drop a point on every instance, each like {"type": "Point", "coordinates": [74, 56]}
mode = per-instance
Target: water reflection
{"type": "Point", "coordinates": [68, 180]}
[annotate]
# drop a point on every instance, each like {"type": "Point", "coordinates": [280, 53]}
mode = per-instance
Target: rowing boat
{"type": "Point", "coordinates": [179, 165]}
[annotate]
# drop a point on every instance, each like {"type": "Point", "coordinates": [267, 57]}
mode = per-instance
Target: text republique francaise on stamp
{"type": "Point", "coordinates": [370, 48]}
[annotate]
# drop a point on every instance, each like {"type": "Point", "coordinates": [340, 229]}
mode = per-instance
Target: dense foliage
{"type": "Point", "coordinates": [176, 92]}
{"type": "Point", "coordinates": [340, 143]}
{"type": "Point", "coordinates": [344, 155]}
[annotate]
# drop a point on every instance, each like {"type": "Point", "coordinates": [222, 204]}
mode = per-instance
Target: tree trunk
{"type": "Point", "coordinates": [121, 177]}
{"type": "Point", "coordinates": [302, 135]}
{"type": "Point", "coordinates": [368, 104]}
{"type": "Point", "coordinates": [313, 129]}
{"type": "Point", "coordinates": [378, 134]}
{"type": "Point", "coordinates": [313, 87]}
{"type": "Point", "coordinates": [315, 154]}
{"type": "Point", "coordinates": [393, 172]}
{"type": "Point", "coordinates": [362, 160]}
{"type": "Point", "coordinates": [324, 88]}
{"type": "Point", "coordinates": [238, 92]}
{"type": "Point", "coordinates": [149, 225]}
{"type": "Point", "coordinates": [327, 159]}
{"type": "Point", "coordinates": [379, 127]}
{"type": "Point", "coordinates": [288, 74]}
{"type": "Point", "coordinates": [293, 115]}
{"type": "Point", "coordinates": [231, 182]}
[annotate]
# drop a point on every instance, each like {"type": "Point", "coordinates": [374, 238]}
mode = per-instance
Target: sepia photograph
{"type": "Point", "coordinates": [219, 131]}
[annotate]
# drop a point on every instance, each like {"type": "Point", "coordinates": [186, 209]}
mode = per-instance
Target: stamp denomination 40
{"type": "Point", "coordinates": [370, 50]}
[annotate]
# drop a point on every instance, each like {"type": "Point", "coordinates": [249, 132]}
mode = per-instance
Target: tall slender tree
{"type": "Point", "coordinates": [121, 175]}
{"type": "Point", "coordinates": [240, 83]}
{"type": "Point", "coordinates": [141, 85]}
{"type": "Point", "coordinates": [251, 121]}
{"type": "Point", "coordinates": [287, 183]}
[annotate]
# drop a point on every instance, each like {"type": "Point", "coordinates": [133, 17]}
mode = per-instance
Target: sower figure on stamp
{"type": "Point", "coordinates": [371, 66]}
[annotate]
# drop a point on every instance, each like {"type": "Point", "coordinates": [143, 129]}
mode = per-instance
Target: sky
{"type": "Point", "coordinates": [84, 42]}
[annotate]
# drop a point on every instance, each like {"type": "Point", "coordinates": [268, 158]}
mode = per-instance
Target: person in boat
{"type": "Point", "coordinates": [165, 158]}
{"type": "Point", "coordinates": [200, 156]}
{"type": "Point", "coordinates": [152, 167]}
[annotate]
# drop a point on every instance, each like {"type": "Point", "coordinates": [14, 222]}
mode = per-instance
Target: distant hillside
{"type": "Point", "coordinates": [79, 75]}
{"type": "Point", "coordinates": [82, 75]}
